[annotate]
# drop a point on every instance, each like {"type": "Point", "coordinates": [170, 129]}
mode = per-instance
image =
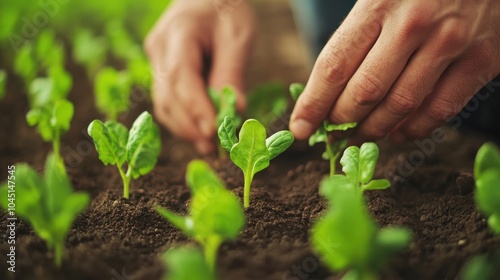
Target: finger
{"type": "Point", "coordinates": [407, 94]}
{"type": "Point", "coordinates": [184, 56]}
{"type": "Point", "coordinates": [376, 74]}
{"type": "Point", "coordinates": [335, 65]}
{"type": "Point", "coordinates": [229, 59]}
{"type": "Point", "coordinates": [454, 89]}
{"type": "Point", "coordinates": [171, 113]}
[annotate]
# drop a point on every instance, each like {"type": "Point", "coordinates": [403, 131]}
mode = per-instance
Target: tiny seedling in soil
{"type": "Point", "coordinates": [139, 148]}
{"type": "Point", "coordinates": [215, 213]}
{"type": "Point", "coordinates": [358, 164]}
{"type": "Point", "coordinates": [333, 148]}
{"type": "Point", "coordinates": [346, 237]}
{"type": "Point", "coordinates": [89, 50]}
{"type": "Point", "coordinates": [253, 152]}
{"type": "Point", "coordinates": [51, 121]}
{"type": "Point", "coordinates": [25, 64]}
{"type": "Point", "coordinates": [48, 204]}
{"type": "Point", "coordinates": [48, 51]}
{"type": "Point", "coordinates": [112, 91]}
{"type": "Point", "coordinates": [186, 263]}
{"type": "Point", "coordinates": [487, 176]}
{"type": "Point", "coordinates": [3, 83]}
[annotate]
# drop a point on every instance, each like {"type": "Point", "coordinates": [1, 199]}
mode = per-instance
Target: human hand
{"type": "Point", "coordinates": [401, 67]}
{"type": "Point", "coordinates": [192, 37]}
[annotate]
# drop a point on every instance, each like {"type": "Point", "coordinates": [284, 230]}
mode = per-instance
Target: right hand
{"type": "Point", "coordinates": [187, 35]}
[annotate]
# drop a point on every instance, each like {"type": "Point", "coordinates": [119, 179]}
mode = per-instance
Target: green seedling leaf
{"type": "Point", "coordinates": [279, 142]}
{"type": "Point", "coordinates": [487, 158]}
{"type": "Point", "coordinates": [109, 141]}
{"type": "Point", "coordinates": [252, 152]}
{"type": "Point", "coordinates": [3, 83]}
{"type": "Point", "coordinates": [48, 203]}
{"type": "Point", "coordinates": [359, 165]}
{"type": "Point", "coordinates": [25, 63]}
{"type": "Point", "coordinates": [139, 148]}
{"type": "Point", "coordinates": [296, 90]}
{"type": "Point", "coordinates": [487, 176]}
{"type": "Point", "coordinates": [480, 267]}
{"type": "Point", "coordinates": [47, 50]}
{"type": "Point", "coordinates": [89, 50]}
{"type": "Point", "coordinates": [227, 134]}
{"type": "Point", "coordinates": [333, 148]}
{"type": "Point", "coordinates": [343, 237]}
{"type": "Point", "coordinates": [215, 214]}
{"type": "Point", "coordinates": [186, 263]}
{"type": "Point", "coordinates": [62, 82]}
{"type": "Point", "coordinates": [112, 89]}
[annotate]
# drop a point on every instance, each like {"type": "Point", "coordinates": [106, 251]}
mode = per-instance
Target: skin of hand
{"type": "Point", "coordinates": [401, 67]}
{"type": "Point", "coordinates": [191, 37]}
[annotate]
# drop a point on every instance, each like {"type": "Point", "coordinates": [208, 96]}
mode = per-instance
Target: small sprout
{"type": "Point", "coordinates": [358, 164]}
{"type": "Point", "coordinates": [332, 148]}
{"type": "Point", "coordinates": [186, 263]}
{"type": "Point", "coordinates": [3, 83]}
{"type": "Point", "coordinates": [267, 103]}
{"type": "Point", "coordinates": [225, 106]}
{"type": "Point", "coordinates": [25, 64]}
{"type": "Point", "coordinates": [48, 50]}
{"type": "Point", "coordinates": [139, 148]}
{"type": "Point", "coordinates": [346, 237]}
{"type": "Point", "coordinates": [122, 45]}
{"type": "Point", "coordinates": [487, 176]}
{"type": "Point", "coordinates": [112, 91]}
{"type": "Point", "coordinates": [139, 71]}
{"type": "Point", "coordinates": [52, 120]}
{"type": "Point", "coordinates": [48, 204]}
{"type": "Point", "coordinates": [253, 152]}
{"type": "Point", "coordinates": [215, 214]}
{"type": "Point", "coordinates": [89, 50]}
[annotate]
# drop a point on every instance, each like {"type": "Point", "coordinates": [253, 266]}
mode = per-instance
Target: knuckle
{"type": "Point", "coordinates": [367, 91]}
{"type": "Point", "coordinates": [312, 107]}
{"type": "Point", "coordinates": [372, 133]}
{"type": "Point", "coordinates": [402, 102]}
{"type": "Point", "coordinates": [442, 110]}
{"type": "Point", "coordinates": [453, 36]}
{"type": "Point", "coordinates": [331, 67]}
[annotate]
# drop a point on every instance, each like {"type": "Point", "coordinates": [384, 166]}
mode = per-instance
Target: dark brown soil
{"type": "Point", "coordinates": [120, 239]}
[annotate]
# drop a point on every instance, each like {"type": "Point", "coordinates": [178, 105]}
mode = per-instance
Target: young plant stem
{"type": "Point", "coordinates": [332, 158]}
{"type": "Point", "coordinates": [58, 251]}
{"type": "Point", "coordinates": [126, 181]}
{"type": "Point", "coordinates": [211, 247]}
{"type": "Point", "coordinates": [246, 188]}
{"type": "Point", "coordinates": [222, 152]}
{"type": "Point", "coordinates": [56, 145]}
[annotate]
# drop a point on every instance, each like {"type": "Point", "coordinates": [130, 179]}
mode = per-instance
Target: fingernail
{"type": "Point", "coordinates": [398, 137]}
{"type": "Point", "coordinates": [301, 128]}
{"type": "Point", "coordinates": [203, 147]}
{"type": "Point", "coordinates": [207, 128]}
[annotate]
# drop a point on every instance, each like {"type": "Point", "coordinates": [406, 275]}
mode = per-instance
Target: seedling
{"type": "Point", "coordinates": [3, 83]}
{"type": "Point", "coordinates": [487, 176]}
{"type": "Point", "coordinates": [358, 164]}
{"type": "Point", "coordinates": [89, 50]}
{"type": "Point", "coordinates": [346, 237]}
{"type": "Point", "coordinates": [48, 204]}
{"type": "Point", "coordinates": [253, 152]}
{"type": "Point", "coordinates": [215, 214]}
{"type": "Point", "coordinates": [267, 103]}
{"type": "Point", "coordinates": [112, 90]}
{"type": "Point", "coordinates": [225, 105]}
{"type": "Point", "coordinates": [138, 149]}
{"type": "Point", "coordinates": [51, 120]}
{"type": "Point", "coordinates": [333, 148]}
{"type": "Point", "coordinates": [48, 50]}
{"type": "Point", "coordinates": [25, 63]}
{"type": "Point", "coordinates": [186, 263]}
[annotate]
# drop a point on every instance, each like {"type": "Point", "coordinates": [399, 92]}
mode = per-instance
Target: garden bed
{"type": "Point", "coordinates": [121, 239]}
